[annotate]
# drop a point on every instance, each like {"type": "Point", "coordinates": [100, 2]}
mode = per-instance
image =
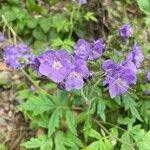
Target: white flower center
{"type": "Point", "coordinates": [56, 65]}
{"type": "Point", "coordinates": [74, 74]}
{"type": "Point", "coordinates": [119, 82]}
{"type": "Point", "coordinates": [82, 47]}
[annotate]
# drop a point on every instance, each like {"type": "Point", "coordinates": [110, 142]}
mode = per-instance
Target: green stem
{"type": "Point", "coordinates": [119, 140]}
{"type": "Point", "coordinates": [34, 83]}
{"type": "Point", "coordinates": [10, 28]}
{"type": "Point", "coordinates": [85, 98]}
{"type": "Point", "coordinates": [113, 125]}
{"type": "Point", "coordinates": [71, 24]}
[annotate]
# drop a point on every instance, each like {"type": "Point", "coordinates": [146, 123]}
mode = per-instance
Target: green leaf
{"type": "Point", "coordinates": [130, 104]}
{"type": "Point", "coordinates": [93, 133]}
{"type": "Point", "coordinates": [56, 43]}
{"type": "Point", "coordinates": [19, 27]}
{"type": "Point", "coordinates": [3, 147]}
{"type": "Point", "coordinates": [135, 113]}
{"type": "Point", "coordinates": [114, 131]}
{"type": "Point", "coordinates": [128, 101]}
{"type": "Point", "coordinates": [144, 5]}
{"type": "Point", "coordinates": [13, 2]}
{"type": "Point", "coordinates": [39, 121]}
{"type": "Point", "coordinates": [101, 110]}
{"type": "Point", "coordinates": [71, 122]}
{"type": "Point", "coordinates": [126, 121]}
{"type": "Point", "coordinates": [93, 146]}
{"type": "Point", "coordinates": [59, 141]}
{"type": "Point", "coordinates": [37, 105]}
{"type": "Point", "coordinates": [90, 16]}
{"type": "Point", "coordinates": [39, 35]}
{"type": "Point", "coordinates": [10, 16]}
{"type": "Point", "coordinates": [100, 145]}
{"type": "Point", "coordinates": [75, 139]}
{"type": "Point", "coordinates": [43, 142]}
{"type": "Point", "coordinates": [68, 44]}
{"type": "Point", "coordinates": [38, 45]}
{"type": "Point", "coordinates": [45, 24]}
{"type": "Point", "coordinates": [65, 142]}
{"type": "Point", "coordinates": [63, 25]}
{"type": "Point", "coordinates": [125, 137]}
{"type": "Point", "coordinates": [32, 6]}
{"type": "Point", "coordinates": [87, 127]}
{"type": "Point", "coordinates": [24, 94]}
{"type": "Point", "coordinates": [54, 121]}
{"type": "Point", "coordinates": [31, 22]}
{"type": "Point", "coordinates": [144, 141]}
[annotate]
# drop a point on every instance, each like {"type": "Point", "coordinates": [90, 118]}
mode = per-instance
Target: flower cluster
{"type": "Point", "coordinates": [69, 71]}
{"type": "Point", "coordinates": [120, 76]}
{"type": "Point", "coordinates": [14, 56]}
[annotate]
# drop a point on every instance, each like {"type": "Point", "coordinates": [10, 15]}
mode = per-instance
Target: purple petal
{"type": "Point", "coordinates": [74, 82]}
{"type": "Point", "coordinates": [125, 32]}
{"type": "Point", "coordinates": [97, 50]}
{"type": "Point", "coordinates": [148, 76]}
{"type": "Point", "coordinates": [82, 49]}
{"type": "Point", "coordinates": [117, 88]}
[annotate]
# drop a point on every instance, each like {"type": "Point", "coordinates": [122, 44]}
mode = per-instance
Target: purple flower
{"type": "Point", "coordinates": [82, 49]}
{"type": "Point", "coordinates": [136, 56]}
{"type": "Point", "coordinates": [110, 69]}
{"type": "Point", "coordinates": [119, 76]}
{"type": "Point", "coordinates": [45, 57]}
{"type": "Point", "coordinates": [130, 65]}
{"type": "Point", "coordinates": [148, 76]}
{"type": "Point", "coordinates": [125, 32]}
{"type": "Point", "coordinates": [121, 81]}
{"type": "Point", "coordinates": [97, 49]}
{"type": "Point", "coordinates": [82, 1]}
{"type": "Point", "coordinates": [15, 56]}
{"type": "Point", "coordinates": [2, 38]}
{"type": "Point", "coordinates": [75, 78]}
{"type": "Point", "coordinates": [53, 64]}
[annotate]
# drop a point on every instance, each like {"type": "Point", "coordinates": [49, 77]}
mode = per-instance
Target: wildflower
{"type": "Point", "coordinates": [121, 81]}
{"type": "Point", "coordinates": [110, 69]}
{"type": "Point", "coordinates": [125, 32]}
{"type": "Point", "coordinates": [118, 76]}
{"type": "Point", "coordinates": [75, 78]}
{"type": "Point", "coordinates": [82, 49]}
{"type": "Point", "coordinates": [97, 49]}
{"type": "Point", "coordinates": [130, 65]}
{"type": "Point", "coordinates": [148, 76]}
{"type": "Point", "coordinates": [82, 1]}
{"type": "Point", "coordinates": [15, 56]}
{"type": "Point", "coordinates": [136, 56]}
{"type": "Point", "coordinates": [44, 57]}
{"type": "Point", "coordinates": [54, 65]}
{"type": "Point", "coordinates": [2, 38]}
